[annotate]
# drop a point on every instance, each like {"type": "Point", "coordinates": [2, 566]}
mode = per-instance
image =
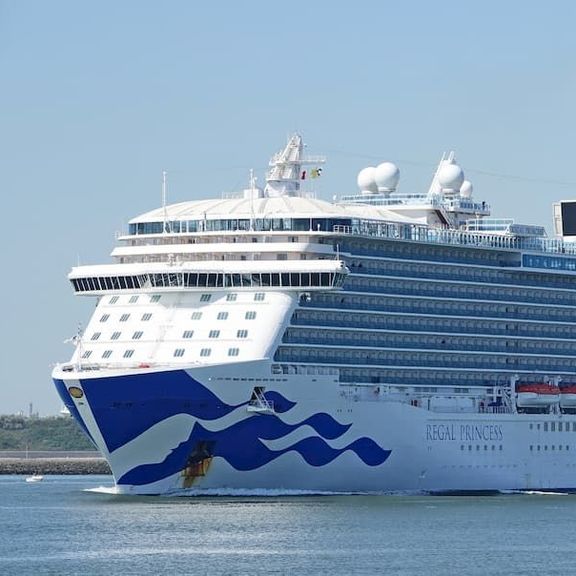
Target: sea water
{"type": "Point", "coordinates": [60, 526]}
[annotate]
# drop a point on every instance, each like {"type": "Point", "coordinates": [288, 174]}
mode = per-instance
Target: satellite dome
{"type": "Point", "coordinates": [366, 180]}
{"type": "Point", "coordinates": [386, 177]}
{"type": "Point", "coordinates": [466, 189]}
{"type": "Point", "coordinates": [450, 177]}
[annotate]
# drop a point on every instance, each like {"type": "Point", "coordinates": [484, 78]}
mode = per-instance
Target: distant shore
{"type": "Point", "coordinates": [56, 463]}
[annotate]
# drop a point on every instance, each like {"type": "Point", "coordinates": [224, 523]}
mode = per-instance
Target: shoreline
{"type": "Point", "coordinates": [54, 466]}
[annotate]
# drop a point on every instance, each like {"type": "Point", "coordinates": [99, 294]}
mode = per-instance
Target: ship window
{"type": "Point", "coordinates": [545, 426]}
{"type": "Point", "coordinates": [214, 334]}
{"type": "Point", "coordinates": [96, 335]}
{"type": "Point", "coordinates": [179, 352]}
{"type": "Point", "coordinates": [137, 335]}
{"type": "Point", "coordinates": [146, 317]}
{"type": "Point", "coordinates": [196, 315]}
{"type": "Point", "coordinates": [573, 426]}
{"type": "Point", "coordinates": [250, 315]}
{"type": "Point", "coordinates": [538, 448]}
{"type": "Point", "coordinates": [222, 315]}
{"type": "Point", "coordinates": [155, 297]}
{"type": "Point", "coordinates": [205, 297]}
{"type": "Point", "coordinates": [205, 352]}
{"type": "Point", "coordinates": [87, 354]}
{"type": "Point", "coordinates": [259, 296]}
{"type": "Point", "coordinates": [107, 354]}
{"type": "Point", "coordinates": [242, 334]}
{"type": "Point", "coordinates": [188, 334]}
{"type": "Point", "coordinates": [559, 426]}
{"type": "Point", "coordinates": [113, 300]}
{"type": "Point", "coordinates": [104, 317]}
{"type": "Point", "coordinates": [231, 297]}
{"type": "Point", "coordinates": [133, 299]}
{"type": "Point", "coordinates": [552, 426]}
{"type": "Point", "coordinates": [128, 353]}
{"type": "Point", "coordinates": [233, 351]}
{"type": "Point", "coordinates": [115, 336]}
{"type": "Point", "coordinates": [124, 317]}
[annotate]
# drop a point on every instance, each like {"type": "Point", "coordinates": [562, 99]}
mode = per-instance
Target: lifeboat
{"type": "Point", "coordinates": [537, 395]}
{"type": "Point", "coordinates": [568, 396]}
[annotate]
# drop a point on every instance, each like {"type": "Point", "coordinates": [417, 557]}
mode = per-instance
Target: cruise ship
{"type": "Point", "coordinates": [383, 342]}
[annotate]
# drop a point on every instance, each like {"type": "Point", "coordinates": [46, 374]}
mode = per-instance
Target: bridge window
{"type": "Point", "coordinates": [128, 353]}
{"type": "Point", "coordinates": [188, 334]}
{"type": "Point", "coordinates": [233, 351]}
{"type": "Point", "coordinates": [205, 352]}
{"type": "Point", "coordinates": [107, 354]}
{"type": "Point", "coordinates": [179, 352]}
{"type": "Point", "coordinates": [137, 335]}
{"type": "Point", "coordinates": [115, 336]}
{"type": "Point", "coordinates": [95, 336]}
{"type": "Point", "coordinates": [196, 315]}
{"type": "Point", "coordinates": [222, 315]}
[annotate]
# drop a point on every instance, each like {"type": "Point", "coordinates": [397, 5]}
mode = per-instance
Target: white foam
{"type": "Point", "coordinates": [103, 490]}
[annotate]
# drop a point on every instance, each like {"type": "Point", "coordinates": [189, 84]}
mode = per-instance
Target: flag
{"type": "Point", "coordinates": [315, 172]}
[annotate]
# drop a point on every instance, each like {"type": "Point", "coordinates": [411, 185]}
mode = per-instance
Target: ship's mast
{"type": "Point", "coordinates": [287, 169]}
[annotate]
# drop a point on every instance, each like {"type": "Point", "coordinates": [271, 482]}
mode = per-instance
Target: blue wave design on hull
{"type": "Point", "coordinates": [241, 446]}
{"type": "Point", "coordinates": [127, 406]}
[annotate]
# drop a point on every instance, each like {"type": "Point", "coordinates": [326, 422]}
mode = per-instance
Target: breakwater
{"type": "Point", "coordinates": [53, 464]}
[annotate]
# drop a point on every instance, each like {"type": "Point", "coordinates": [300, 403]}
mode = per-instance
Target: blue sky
{"type": "Point", "coordinates": [97, 98]}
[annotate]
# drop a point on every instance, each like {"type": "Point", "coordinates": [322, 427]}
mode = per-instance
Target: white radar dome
{"type": "Point", "coordinates": [386, 177]}
{"type": "Point", "coordinates": [466, 189]}
{"type": "Point", "coordinates": [450, 177]}
{"type": "Point", "coordinates": [366, 180]}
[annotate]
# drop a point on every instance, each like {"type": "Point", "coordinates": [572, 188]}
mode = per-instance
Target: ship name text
{"type": "Point", "coordinates": [464, 432]}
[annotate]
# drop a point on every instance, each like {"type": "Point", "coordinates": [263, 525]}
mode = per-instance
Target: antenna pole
{"type": "Point", "coordinates": [164, 225]}
{"type": "Point", "coordinates": [251, 200]}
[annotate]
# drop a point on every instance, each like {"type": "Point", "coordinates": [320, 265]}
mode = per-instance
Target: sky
{"type": "Point", "coordinates": [97, 98]}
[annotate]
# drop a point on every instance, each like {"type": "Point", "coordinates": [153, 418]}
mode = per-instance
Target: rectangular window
{"type": "Point", "coordinates": [113, 300]}
{"type": "Point", "coordinates": [155, 298]}
{"type": "Point", "coordinates": [242, 334]}
{"type": "Point", "coordinates": [107, 354]}
{"type": "Point", "coordinates": [196, 315]}
{"type": "Point", "coordinates": [205, 352]}
{"type": "Point", "coordinates": [259, 296]}
{"type": "Point", "coordinates": [95, 336]}
{"type": "Point", "coordinates": [137, 335]}
{"type": "Point", "coordinates": [222, 315]}
{"type": "Point", "coordinates": [124, 317]}
{"type": "Point", "coordinates": [179, 352]}
{"type": "Point", "coordinates": [104, 317]}
{"type": "Point", "coordinates": [115, 336]}
{"type": "Point", "coordinates": [146, 317]}
{"type": "Point", "coordinates": [231, 297]}
{"type": "Point", "coordinates": [128, 353]}
{"type": "Point", "coordinates": [250, 315]}
{"type": "Point", "coordinates": [214, 334]}
{"type": "Point", "coordinates": [87, 354]}
{"type": "Point", "coordinates": [233, 351]}
{"type": "Point", "coordinates": [133, 299]}
{"type": "Point", "coordinates": [205, 297]}
{"type": "Point", "coordinates": [188, 334]}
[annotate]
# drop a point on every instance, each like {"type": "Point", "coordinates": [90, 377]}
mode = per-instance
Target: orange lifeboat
{"type": "Point", "coordinates": [568, 396]}
{"type": "Point", "coordinates": [537, 395]}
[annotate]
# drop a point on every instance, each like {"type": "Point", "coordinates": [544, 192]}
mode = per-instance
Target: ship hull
{"type": "Point", "coordinates": [194, 430]}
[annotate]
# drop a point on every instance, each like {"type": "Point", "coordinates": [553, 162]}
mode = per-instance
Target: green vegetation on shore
{"type": "Point", "coordinates": [52, 433]}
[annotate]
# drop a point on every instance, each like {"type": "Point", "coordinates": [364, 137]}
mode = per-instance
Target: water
{"type": "Point", "coordinates": [57, 527]}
